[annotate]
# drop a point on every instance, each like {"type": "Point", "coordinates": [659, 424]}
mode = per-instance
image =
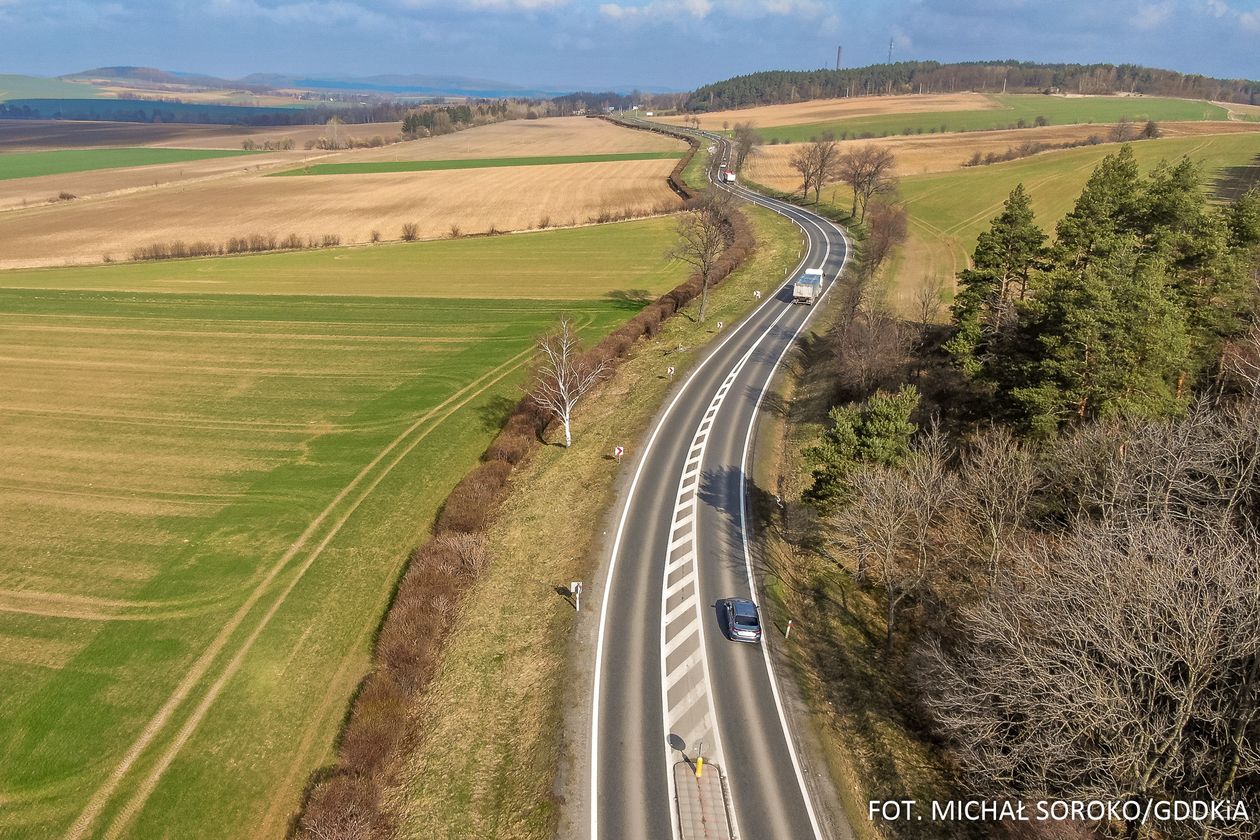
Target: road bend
{"type": "Point", "coordinates": [668, 684]}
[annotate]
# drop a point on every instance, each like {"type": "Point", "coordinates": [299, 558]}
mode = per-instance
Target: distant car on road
{"type": "Point", "coordinates": [742, 622]}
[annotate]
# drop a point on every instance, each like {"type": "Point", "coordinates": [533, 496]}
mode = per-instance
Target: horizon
{"type": "Point", "coordinates": [599, 45]}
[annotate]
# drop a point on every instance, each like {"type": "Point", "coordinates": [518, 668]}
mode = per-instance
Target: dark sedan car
{"type": "Point", "coordinates": [742, 621]}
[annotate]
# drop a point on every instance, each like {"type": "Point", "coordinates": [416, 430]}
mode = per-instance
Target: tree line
{"type": "Point", "coordinates": [1056, 500]}
{"type": "Point", "coordinates": [780, 86]}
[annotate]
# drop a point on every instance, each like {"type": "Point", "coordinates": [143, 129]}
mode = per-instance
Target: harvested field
{"type": "Point", "coordinates": [830, 110]}
{"type": "Point", "coordinates": [19, 193]}
{"type": "Point", "coordinates": [518, 138]}
{"type": "Point", "coordinates": [35, 135]}
{"type": "Point", "coordinates": [350, 207]}
{"type": "Point", "coordinates": [205, 500]}
{"type": "Point", "coordinates": [212, 201]}
{"type": "Point", "coordinates": [923, 154]}
{"type": "Point", "coordinates": [380, 166]}
{"type": "Point", "coordinates": [1239, 111]}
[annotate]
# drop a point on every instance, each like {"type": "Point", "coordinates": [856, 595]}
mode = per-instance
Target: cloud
{"type": "Point", "coordinates": [298, 12]}
{"type": "Point", "coordinates": [1152, 15]}
{"type": "Point", "coordinates": [658, 10]}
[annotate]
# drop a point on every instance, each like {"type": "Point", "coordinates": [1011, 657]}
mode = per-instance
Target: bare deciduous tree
{"type": "Point", "coordinates": [1126, 666]}
{"type": "Point", "coordinates": [873, 351]}
{"type": "Point", "coordinates": [704, 231]}
{"type": "Point", "coordinates": [746, 140]}
{"type": "Point", "coordinates": [868, 170]}
{"type": "Point", "coordinates": [887, 229]}
{"type": "Point", "coordinates": [802, 160]}
{"type": "Point", "coordinates": [998, 480]}
{"type": "Point", "coordinates": [928, 299]}
{"type": "Point", "coordinates": [565, 374]}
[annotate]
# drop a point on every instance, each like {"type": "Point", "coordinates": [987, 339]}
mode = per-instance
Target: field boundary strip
{"type": "Point", "coordinates": [100, 798]}
{"type": "Point", "coordinates": [388, 166]}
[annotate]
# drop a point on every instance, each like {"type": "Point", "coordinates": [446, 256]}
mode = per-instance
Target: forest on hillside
{"type": "Point", "coordinates": [773, 87]}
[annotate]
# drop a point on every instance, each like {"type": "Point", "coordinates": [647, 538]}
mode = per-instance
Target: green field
{"type": "Point", "coordinates": [205, 499]}
{"type": "Point", "coordinates": [38, 87]}
{"type": "Point", "coordinates": [949, 210]}
{"type": "Point", "coordinates": [380, 166]}
{"type": "Point", "coordinates": [1058, 110]}
{"type": "Point", "coordinates": [621, 256]}
{"type": "Point", "coordinates": [63, 161]}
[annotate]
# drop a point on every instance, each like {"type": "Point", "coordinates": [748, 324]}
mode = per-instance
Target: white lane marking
{"type": "Point", "coordinates": [601, 634]}
{"type": "Point", "coordinates": [677, 713]}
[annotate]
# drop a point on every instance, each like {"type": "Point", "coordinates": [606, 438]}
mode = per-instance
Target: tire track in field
{"type": "Point", "coordinates": [102, 795]}
{"type": "Point", "coordinates": [141, 796]}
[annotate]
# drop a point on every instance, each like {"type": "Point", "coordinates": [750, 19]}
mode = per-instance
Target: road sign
{"type": "Point", "coordinates": [618, 451]}
{"type": "Point", "coordinates": [670, 371]}
{"type": "Point", "coordinates": [575, 588]}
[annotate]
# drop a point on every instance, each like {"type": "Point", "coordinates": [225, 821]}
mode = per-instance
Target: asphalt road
{"type": "Point", "coordinates": [666, 676]}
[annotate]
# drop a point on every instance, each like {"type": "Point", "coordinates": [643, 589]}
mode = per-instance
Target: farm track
{"type": "Point", "coordinates": [403, 444]}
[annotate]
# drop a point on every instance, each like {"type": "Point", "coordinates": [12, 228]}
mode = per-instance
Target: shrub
{"type": "Point", "coordinates": [66, 196]}
{"type": "Point", "coordinates": [345, 805]}
{"type": "Point", "coordinates": [511, 447]}
{"type": "Point", "coordinates": [331, 240]}
{"type": "Point", "coordinates": [375, 236]}
{"type": "Point", "coordinates": [455, 232]}
{"type": "Point", "coordinates": [410, 231]}
{"type": "Point", "coordinates": [474, 499]}
{"type": "Point", "coordinates": [544, 223]}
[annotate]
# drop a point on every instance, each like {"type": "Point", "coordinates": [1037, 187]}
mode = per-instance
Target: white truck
{"type": "Point", "coordinates": [728, 176]}
{"type": "Point", "coordinates": [808, 286]}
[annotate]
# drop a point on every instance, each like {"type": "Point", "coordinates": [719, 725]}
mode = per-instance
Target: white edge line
{"type": "Point", "coordinates": [743, 531]}
{"type": "Point", "coordinates": [621, 526]}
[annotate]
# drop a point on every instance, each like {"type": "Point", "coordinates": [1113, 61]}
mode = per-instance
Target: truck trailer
{"type": "Point", "coordinates": [808, 286]}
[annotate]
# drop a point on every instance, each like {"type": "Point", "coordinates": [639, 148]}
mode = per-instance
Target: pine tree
{"type": "Point", "coordinates": [1100, 340]}
{"type": "Point", "coordinates": [1005, 258]}
{"type": "Point", "coordinates": [1106, 214]}
{"type": "Point", "coordinates": [877, 432]}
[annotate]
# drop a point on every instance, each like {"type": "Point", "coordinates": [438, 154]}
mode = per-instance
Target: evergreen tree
{"type": "Point", "coordinates": [1005, 258]}
{"type": "Point", "coordinates": [1100, 340]}
{"type": "Point", "coordinates": [1106, 215]}
{"type": "Point", "coordinates": [877, 432]}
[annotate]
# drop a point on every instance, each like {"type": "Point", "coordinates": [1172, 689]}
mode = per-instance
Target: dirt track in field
{"type": "Point", "coordinates": [215, 200]}
{"type": "Point", "coordinates": [825, 110]}
{"type": "Point", "coordinates": [925, 153]}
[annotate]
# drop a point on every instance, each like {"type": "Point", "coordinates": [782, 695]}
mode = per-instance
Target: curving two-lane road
{"type": "Point", "coordinates": [665, 675]}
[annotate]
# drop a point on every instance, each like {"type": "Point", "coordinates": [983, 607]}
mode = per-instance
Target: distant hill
{"type": "Point", "coordinates": [780, 86]}
{"type": "Point", "coordinates": [404, 85]}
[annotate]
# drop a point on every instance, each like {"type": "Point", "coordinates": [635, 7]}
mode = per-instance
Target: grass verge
{"type": "Point", "coordinates": [379, 166]}
{"type": "Point", "coordinates": [492, 719]}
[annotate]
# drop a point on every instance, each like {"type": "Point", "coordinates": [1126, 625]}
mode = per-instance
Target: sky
{"type": "Point", "coordinates": [571, 44]}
